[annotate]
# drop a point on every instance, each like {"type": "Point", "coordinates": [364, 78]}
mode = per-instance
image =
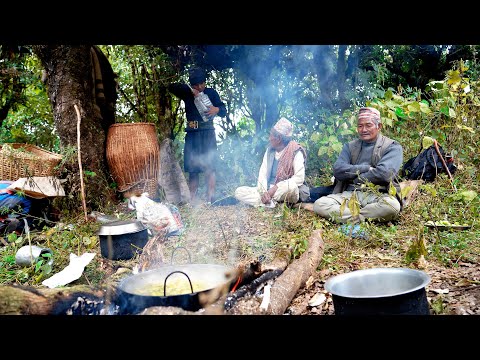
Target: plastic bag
{"type": "Point", "coordinates": [156, 216]}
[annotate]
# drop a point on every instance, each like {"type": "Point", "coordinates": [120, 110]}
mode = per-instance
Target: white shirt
{"type": "Point", "coordinates": [298, 170]}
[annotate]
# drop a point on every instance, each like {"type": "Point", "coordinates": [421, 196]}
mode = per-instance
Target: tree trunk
{"type": "Point", "coordinates": [70, 81]}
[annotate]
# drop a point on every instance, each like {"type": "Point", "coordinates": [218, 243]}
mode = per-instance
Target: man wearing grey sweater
{"type": "Point", "coordinates": [366, 172]}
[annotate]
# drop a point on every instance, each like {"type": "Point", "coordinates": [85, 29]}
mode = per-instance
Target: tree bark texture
{"type": "Point", "coordinates": [285, 286]}
{"type": "Point", "coordinates": [70, 81]}
{"type": "Point", "coordinates": [20, 300]}
{"type": "Point", "coordinates": [296, 275]}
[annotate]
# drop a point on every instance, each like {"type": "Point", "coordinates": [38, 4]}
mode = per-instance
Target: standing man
{"type": "Point", "coordinates": [373, 158]}
{"type": "Point", "coordinates": [200, 151]}
{"type": "Point", "coordinates": [282, 174]}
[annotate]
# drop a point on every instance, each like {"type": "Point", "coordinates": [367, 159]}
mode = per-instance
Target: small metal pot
{"type": "Point", "coordinates": [122, 239]}
{"type": "Point", "coordinates": [132, 297]}
{"type": "Point", "coordinates": [380, 291]}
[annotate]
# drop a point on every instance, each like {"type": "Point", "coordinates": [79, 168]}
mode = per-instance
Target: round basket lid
{"type": "Point", "coordinates": [121, 227]}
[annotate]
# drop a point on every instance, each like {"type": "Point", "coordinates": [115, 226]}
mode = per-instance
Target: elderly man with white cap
{"type": "Point", "coordinates": [371, 159]}
{"type": "Point", "coordinates": [282, 174]}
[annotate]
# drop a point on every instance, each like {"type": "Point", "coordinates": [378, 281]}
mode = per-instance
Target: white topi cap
{"type": "Point", "coordinates": [284, 127]}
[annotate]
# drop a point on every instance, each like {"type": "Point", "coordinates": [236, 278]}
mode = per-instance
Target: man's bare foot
{"type": "Point", "coordinates": [306, 206]}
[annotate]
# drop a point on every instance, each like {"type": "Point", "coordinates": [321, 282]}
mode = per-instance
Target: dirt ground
{"type": "Point", "coordinates": [239, 234]}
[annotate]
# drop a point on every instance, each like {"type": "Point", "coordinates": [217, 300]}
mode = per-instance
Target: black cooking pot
{"type": "Point", "coordinates": [122, 239]}
{"type": "Point", "coordinates": [135, 293]}
{"type": "Point", "coordinates": [380, 291]}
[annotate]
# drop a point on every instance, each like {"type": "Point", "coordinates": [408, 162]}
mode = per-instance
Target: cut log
{"type": "Point", "coordinates": [22, 300]}
{"type": "Point", "coordinates": [296, 275]}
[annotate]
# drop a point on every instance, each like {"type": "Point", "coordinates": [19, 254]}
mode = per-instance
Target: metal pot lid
{"type": "Point", "coordinates": [121, 227]}
{"type": "Point", "coordinates": [377, 282]}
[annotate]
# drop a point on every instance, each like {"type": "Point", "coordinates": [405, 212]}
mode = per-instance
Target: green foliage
{"type": "Point", "coordinates": [395, 79]}
{"type": "Point", "coordinates": [43, 267]}
{"type": "Point", "coordinates": [437, 305]}
{"type": "Point", "coordinates": [299, 245]}
{"type": "Point", "coordinates": [30, 117]}
{"type": "Point", "coordinates": [416, 249]}
{"type": "Point", "coordinates": [63, 240]}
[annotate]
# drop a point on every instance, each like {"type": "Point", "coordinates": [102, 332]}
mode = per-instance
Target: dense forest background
{"type": "Point", "coordinates": [421, 90]}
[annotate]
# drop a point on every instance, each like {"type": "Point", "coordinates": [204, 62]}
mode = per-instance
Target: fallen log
{"type": "Point", "coordinates": [22, 300]}
{"type": "Point", "coordinates": [295, 275]}
{"type": "Point", "coordinates": [286, 285]}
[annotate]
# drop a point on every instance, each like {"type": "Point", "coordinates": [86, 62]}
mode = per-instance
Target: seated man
{"type": "Point", "coordinates": [282, 174]}
{"type": "Point", "coordinates": [374, 159]}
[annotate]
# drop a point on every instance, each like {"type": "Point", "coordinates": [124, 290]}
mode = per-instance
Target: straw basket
{"type": "Point", "coordinates": [133, 156]}
{"type": "Point", "coordinates": [26, 160]}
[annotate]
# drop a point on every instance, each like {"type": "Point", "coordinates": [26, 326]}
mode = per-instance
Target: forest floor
{"type": "Point", "coordinates": [239, 234]}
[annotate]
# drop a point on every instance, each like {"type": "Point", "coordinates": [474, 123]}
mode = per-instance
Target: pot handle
{"type": "Point", "coordinates": [173, 272]}
{"type": "Point", "coordinates": [184, 248]}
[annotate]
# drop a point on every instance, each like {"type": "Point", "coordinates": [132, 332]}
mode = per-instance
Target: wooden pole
{"type": "Point", "coordinates": [82, 186]}
{"type": "Point", "coordinates": [435, 143]}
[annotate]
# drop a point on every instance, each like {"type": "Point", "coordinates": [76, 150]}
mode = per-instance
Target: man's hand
{"type": "Point", "coordinates": [213, 110]}
{"type": "Point", "coordinates": [268, 195]}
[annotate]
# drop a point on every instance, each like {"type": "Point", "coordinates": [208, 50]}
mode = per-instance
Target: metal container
{"type": "Point", "coordinates": [380, 291]}
{"type": "Point", "coordinates": [122, 239]}
{"type": "Point", "coordinates": [29, 255]}
{"type": "Point", "coordinates": [133, 293]}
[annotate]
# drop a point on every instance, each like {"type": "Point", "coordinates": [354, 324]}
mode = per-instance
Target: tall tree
{"type": "Point", "coordinates": [71, 81]}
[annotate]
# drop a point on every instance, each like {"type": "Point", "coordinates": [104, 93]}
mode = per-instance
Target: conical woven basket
{"type": "Point", "coordinates": [133, 157]}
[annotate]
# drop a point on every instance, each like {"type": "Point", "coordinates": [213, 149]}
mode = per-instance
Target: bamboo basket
{"type": "Point", "coordinates": [133, 157]}
{"type": "Point", "coordinates": [25, 160]}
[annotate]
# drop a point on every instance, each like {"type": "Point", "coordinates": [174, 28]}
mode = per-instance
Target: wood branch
{"type": "Point", "coordinates": [23, 300]}
{"type": "Point", "coordinates": [296, 275]}
{"type": "Point", "coordinates": [435, 143]}
{"type": "Point", "coordinates": [82, 185]}
{"type": "Point", "coordinates": [152, 255]}
{"type": "Point", "coordinates": [250, 288]}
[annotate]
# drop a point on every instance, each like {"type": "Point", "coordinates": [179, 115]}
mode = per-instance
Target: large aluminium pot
{"type": "Point", "coordinates": [186, 283]}
{"type": "Point", "coordinates": [122, 239]}
{"type": "Point", "coordinates": [380, 291]}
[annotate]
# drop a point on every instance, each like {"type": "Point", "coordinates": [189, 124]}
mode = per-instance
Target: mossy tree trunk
{"type": "Point", "coordinates": [70, 82]}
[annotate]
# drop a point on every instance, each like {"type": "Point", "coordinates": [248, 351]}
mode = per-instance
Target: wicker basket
{"type": "Point", "coordinates": [26, 160]}
{"type": "Point", "coordinates": [133, 157]}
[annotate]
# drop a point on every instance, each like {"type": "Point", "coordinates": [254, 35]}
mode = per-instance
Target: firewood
{"type": "Point", "coordinates": [296, 275]}
{"type": "Point", "coordinates": [24, 300]}
{"type": "Point", "coordinates": [250, 288]}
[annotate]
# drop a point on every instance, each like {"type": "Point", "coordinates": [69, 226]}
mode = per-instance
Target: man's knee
{"type": "Point", "coordinates": [239, 192]}
{"type": "Point", "coordinates": [390, 209]}
{"type": "Point", "coordinates": [323, 206]}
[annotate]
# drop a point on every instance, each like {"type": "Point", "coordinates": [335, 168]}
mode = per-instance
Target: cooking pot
{"type": "Point", "coordinates": [122, 239]}
{"type": "Point", "coordinates": [380, 291]}
{"type": "Point", "coordinates": [171, 285]}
